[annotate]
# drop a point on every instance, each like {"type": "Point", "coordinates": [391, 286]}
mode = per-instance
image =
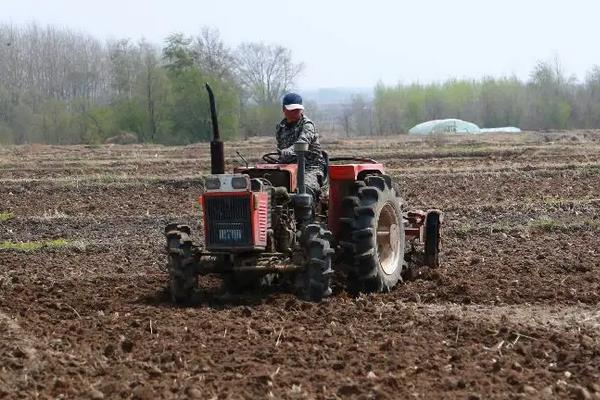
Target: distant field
{"type": "Point", "coordinates": [511, 313]}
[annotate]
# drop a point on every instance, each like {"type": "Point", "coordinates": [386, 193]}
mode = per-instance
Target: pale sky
{"type": "Point", "coordinates": [357, 43]}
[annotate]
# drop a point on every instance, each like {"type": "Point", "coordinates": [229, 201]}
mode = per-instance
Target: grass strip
{"type": "Point", "coordinates": [33, 246]}
{"type": "Point", "coordinates": [6, 216]}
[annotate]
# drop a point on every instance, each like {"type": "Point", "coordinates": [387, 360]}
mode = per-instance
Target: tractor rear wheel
{"type": "Point", "coordinates": [374, 235]}
{"type": "Point", "coordinates": [318, 252]}
{"type": "Point", "coordinates": [183, 281]}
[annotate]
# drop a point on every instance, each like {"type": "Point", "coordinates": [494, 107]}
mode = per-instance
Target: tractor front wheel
{"type": "Point", "coordinates": [183, 281]}
{"type": "Point", "coordinates": [318, 252]}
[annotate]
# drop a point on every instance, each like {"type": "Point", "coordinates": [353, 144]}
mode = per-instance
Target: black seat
{"type": "Point", "coordinates": [324, 182]}
{"type": "Point", "coordinates": [326, 169]}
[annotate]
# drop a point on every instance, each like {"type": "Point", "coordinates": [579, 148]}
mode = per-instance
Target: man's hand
{"type": "Point", "coordinates": [287, 153]}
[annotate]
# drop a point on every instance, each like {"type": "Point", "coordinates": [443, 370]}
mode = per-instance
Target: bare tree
{"type": "Point", "coordinates": [361, 115]}
{"type": "Point", "coordinates": [212, 55]}
{"type": "Point", "coordinates": [48, 74]}
{"type": "Point", "coordinates": [125, 65]}
{"type": "Point", "coordinates": [11, 53]}
{"type": "Point", "coordinates": [265, 72]}
{"type": "Point", "coordinates": [150, 61]}
{"type": "Point", "coordinates": [356, 117]}
{"type": "Point", "coordinates": [345, 118]}
{"type": "Point", "coordinates": [589, 99]}
{"type": "Point", "coordinates": [153, 85]}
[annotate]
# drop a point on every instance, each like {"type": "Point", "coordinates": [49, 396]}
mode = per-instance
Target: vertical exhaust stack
{"type": "Point", "coordinates": [300, 148]}
{"type": "Point", "coordinates": [217, 154]}
{"type": "Point", "coordinates": [303, 201]}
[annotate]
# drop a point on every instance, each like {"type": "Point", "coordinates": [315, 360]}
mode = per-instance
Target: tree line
{"type": "Point", "coordinates": [59, 86]}
{"type": "Point", "coordinates": [549, 99]}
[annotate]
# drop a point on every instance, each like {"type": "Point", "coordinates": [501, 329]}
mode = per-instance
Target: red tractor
{"type": "Point", "coordinates": [260, 225]}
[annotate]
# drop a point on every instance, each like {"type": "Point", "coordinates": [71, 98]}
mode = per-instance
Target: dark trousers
{"type": "Point", "coordinates": [313, 179]}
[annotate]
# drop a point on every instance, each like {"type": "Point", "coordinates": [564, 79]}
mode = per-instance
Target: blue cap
{"type": "Point", "coordinates": [292, 101]}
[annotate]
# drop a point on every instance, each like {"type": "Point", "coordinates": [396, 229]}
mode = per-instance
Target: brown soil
{"type": "Point", "coordinates": [511, 313]}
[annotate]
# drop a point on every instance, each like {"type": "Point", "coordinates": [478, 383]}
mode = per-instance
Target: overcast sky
{"type": "Point", "coordinates": [357, 43]}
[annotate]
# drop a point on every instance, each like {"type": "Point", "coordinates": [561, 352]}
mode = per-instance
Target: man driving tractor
{"type": "Point", "coordinates": [297, 127]}
{"type": "Point", "coordinates": [260, 222]}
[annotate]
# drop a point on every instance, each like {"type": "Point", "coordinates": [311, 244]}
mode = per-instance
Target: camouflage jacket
{"type": "Point", "coordinates": [305, 131]}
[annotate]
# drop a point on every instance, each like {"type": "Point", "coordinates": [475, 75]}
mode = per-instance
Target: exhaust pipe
{"type": "Point", "coordinates": [217, 154]}
{"type": "Point", "coordinates": [303, 201]}
{"type": "Point", "coordinates": [300, 148]}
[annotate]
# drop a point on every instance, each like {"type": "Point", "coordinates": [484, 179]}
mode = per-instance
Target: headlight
{"type": "Point", "coordinates": [212, 183]}
{"type": "Point", "coordinates": [239, 182]}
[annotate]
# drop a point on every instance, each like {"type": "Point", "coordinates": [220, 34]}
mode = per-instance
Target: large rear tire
{"type": "Point", "coordinates": [374, 237]}
{"type": "Point", "coordinates": [183, 280]}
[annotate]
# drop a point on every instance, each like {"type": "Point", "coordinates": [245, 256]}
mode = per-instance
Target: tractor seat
{"type": "Point", "coordinates": [326, 168]}
{"type": "Point", "coordinates": [324, 196]}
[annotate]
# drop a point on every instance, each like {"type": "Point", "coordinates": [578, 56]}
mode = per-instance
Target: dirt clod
{"type": "Point", "coordinates": [109, 350]}
{"type": "Point", "coordinates": [527, 389]}
{"type": "Point", "coordinates": [95, 394]}
{"type": "Point", "coordinates": [579, 392]}
{"type": "Point", "coordinates": [246, 312]}
{"type": "Point", "coordinates": [127, 346]}
{"type": "Point", "coordinates": [194, 393]}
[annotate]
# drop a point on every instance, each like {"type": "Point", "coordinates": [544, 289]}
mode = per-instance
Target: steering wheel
{"type": "Point", "coordinates": [271, 158]}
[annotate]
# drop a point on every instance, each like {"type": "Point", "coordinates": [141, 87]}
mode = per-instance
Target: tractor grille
{"type": "Point", "coordinates": [228, 221]}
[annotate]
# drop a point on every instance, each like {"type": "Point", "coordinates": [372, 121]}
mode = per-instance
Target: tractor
{"type": "Point", "coordinates": [261, 226]}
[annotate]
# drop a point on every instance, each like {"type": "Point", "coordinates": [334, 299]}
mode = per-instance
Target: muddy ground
{"type": "Point", "coordinates": [511, 313]}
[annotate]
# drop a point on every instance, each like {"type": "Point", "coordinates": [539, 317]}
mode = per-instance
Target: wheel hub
{"type": "Point", "coordinates": [388, 239]}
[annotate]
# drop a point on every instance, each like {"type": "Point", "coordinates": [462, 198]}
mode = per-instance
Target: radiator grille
{"type": "Point", "coordinates": [228, 221]}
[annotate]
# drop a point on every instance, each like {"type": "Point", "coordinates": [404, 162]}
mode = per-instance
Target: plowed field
{"type": "Point", "coordinates": [512, 312]}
